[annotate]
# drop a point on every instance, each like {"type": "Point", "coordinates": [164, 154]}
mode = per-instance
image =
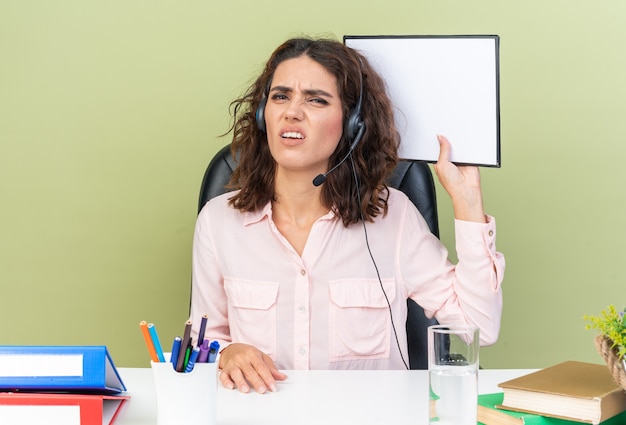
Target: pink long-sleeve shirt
{"type": "Point", "coordinates": [325, 309]}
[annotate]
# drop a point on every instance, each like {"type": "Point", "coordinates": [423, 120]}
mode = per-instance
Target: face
{"type": "Point", "coordinates": [303, 116]}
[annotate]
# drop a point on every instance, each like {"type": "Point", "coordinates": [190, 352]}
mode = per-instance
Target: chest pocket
{"type": "Point", "coordinates": [252, 312]}
{"type": "Point", "coordinates": [360, 324]}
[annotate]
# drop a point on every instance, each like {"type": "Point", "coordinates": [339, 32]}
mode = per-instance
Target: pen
{"type": "Point", "coordinates": [156, 342]}
{"type": "Point", "coordinates": [143, 325]}
{"type": "Point", "coordinates": [213, 349]}
{"type": "Point", "coordinates": [203, 357]}
{"type": "Point", "coordinates": [175, 351]}
{"type": "Point", "coordinates": [187, 354]}
{"type": "Point", "coordinates": [192, 359]}
{"type": "Point", "coordinates": [180, 365]}
{"type": "Point", "coordinates": [202, 329]}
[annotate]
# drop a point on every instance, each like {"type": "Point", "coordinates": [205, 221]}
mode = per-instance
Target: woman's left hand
{"type": "Point", "coordinates": [462, 184]}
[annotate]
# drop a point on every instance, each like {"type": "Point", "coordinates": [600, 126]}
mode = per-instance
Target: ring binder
{"type": "Point", "coordinates": [78, 369]}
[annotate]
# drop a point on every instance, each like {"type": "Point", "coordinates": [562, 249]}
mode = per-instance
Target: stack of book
{"type": "Point", "coordinates": [64, 385]}
{"type": "Point", "coordinates": [567, 393]}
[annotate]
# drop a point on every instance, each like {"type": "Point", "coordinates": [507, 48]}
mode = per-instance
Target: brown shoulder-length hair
{"type": "Point", "coordinates": [374, 157]}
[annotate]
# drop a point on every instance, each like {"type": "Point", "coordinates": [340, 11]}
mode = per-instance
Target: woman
{"type": "Point", "coordinates": [296, 275]}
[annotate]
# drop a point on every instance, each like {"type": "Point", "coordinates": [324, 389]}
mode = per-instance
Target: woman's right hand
{"type": "Point", "coordinates": [243, 366]}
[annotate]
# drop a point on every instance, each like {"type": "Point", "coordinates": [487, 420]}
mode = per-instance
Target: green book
{"type": "Point", "coordinates": [489, 414]}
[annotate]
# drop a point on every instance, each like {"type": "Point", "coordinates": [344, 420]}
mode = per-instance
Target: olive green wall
{"type": "Point", "coordinates": [110, 111]}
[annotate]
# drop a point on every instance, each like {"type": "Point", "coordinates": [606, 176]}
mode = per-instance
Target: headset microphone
{"type": "Point", "coordinates": [321, 178]}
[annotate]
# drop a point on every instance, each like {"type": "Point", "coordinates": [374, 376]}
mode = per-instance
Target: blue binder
{"type": "Point", "coordinates": [63, 369]}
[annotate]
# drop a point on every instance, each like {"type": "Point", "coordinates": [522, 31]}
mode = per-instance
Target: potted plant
{"type": "Point", "coordinates": [611, 341]}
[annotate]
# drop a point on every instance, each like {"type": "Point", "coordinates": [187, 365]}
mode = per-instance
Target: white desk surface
{"type": "Point", "coordinates": [314, 397]}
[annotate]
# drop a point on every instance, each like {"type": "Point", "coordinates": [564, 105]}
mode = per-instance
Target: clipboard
{"type": "Point", "coordinates": [448, 84]}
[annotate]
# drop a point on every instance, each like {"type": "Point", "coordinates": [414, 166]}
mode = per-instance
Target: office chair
{"type": "Point", "coordinates": [411, 177]}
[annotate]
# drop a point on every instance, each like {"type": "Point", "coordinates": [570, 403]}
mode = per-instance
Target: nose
{"type": "Point", "coordinates": [294, 110]}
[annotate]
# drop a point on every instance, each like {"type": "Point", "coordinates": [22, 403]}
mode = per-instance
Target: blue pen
{"type": "Point", "coordinates": [156, 342]}
{"type": "Point", "coordinates": [203, 357]}
{"type": "Point", "coordinates": [175, 349]}
{"type": "Point", "coordinates": [213, 349]}
{"type": "Point", "coordinates": [192, 359]}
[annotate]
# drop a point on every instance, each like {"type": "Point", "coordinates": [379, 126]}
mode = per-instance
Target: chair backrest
{"type": "Point", "coordinates": [414, 178]}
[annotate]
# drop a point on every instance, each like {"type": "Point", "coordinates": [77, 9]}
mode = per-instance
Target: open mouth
{"type": "Point", "coordinates": [292, 135]}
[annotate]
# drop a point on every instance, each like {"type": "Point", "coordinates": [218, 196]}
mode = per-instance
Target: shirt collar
{"type": "Point", "coordinates": [259, 215]}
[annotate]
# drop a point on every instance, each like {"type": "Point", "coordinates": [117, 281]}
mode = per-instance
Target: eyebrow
{"type": "Point", "coordinates": [309, 92]}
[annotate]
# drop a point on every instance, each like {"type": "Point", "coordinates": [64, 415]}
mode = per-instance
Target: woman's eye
{"type": "Point", "coordinates": [319, 100]}
{"type": "Point", "coordinates": [279, 96]}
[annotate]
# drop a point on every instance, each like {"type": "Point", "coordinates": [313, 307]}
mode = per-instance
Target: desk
{"type": "Point", "coordinates": [314, 397]}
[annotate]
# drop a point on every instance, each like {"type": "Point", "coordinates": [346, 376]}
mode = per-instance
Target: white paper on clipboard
{"type": "Point", "coordinates": [445, 85]}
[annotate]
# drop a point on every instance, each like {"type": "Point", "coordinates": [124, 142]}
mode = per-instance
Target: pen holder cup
{"type": "Point", "coordinates": [184, 398]}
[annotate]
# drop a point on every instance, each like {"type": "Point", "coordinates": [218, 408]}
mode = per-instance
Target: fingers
{"type": "Point", "coordinates": [233, 378]}
{"type": "Point", "coordinates": [462, 184]}
{"type": "Point", "coordinates": [245, 367]}
{"type": "Point", "coordinates": [266, 374]}
{"type": "Point", "coordinates": [278, 375]}
{"type": "Point", "coordinates": [444, 149]}
{"type": "Point", "coordinates": [444, 167]}
{"type": "Point", "coordinates": [259, 377]}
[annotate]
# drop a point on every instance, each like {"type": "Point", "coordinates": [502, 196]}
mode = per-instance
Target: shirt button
{"type": "Point", "coordinates": [491, 233]}
{"type": "Point", "coordinates": [302, 351]}
{"type": "Point", "coordinates": [301, 309]}
{"type": "Point", "coordinates": [302, 272]}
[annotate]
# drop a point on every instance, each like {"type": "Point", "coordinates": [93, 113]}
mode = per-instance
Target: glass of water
{"type": "Point", "coordinates": [453, 374]}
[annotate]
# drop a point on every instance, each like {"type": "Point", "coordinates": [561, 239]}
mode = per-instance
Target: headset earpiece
{"type": "Point", "coordinates": [260, 114]}
{"type": "Point", "coordinates": [354, 123]}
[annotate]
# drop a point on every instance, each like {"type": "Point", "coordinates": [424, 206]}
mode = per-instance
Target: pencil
{"type": "Point", "coordinates": [155, 341]}
{"type": "Point", "coordinates": [143, 325]}
{"type": "Point", "coordinates": [202, 329]}
{"type": "Point", "coordinates": [180, 366]}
